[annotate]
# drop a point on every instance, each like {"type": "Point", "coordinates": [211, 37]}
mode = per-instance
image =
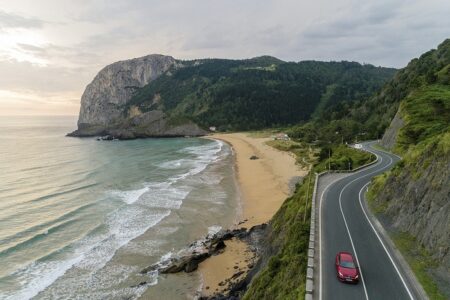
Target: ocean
{"type": "Point", "coordinates": [79, 218]}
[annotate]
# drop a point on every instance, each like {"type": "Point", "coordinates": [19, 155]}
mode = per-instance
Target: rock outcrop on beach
{"type": "Point", "coordinates": [188, 259]}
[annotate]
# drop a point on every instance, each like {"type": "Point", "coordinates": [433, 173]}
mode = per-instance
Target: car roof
{"type": "Point", "coordinates": [346, 256]}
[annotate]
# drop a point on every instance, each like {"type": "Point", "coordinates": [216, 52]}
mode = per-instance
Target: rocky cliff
{"type": "Point", "coordinates": [104, 109]}
{"type": "Point", "coordinates": [227, 94]}
{"type": "Point", "coordinates": [103, 100]}
{"type": "Point", "coordinates": [390, 136]}
{"type": "Point", "coordinates": [414, 198]}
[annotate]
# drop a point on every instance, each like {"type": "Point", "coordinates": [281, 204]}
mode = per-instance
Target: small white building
{"type": "Point", "coordinates": [281, 136]}
{"type": "Point", "coordinates": [212, 128]}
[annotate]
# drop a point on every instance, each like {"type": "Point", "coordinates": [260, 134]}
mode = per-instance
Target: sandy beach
{"type": "Point", "coordinates": [264, 185]}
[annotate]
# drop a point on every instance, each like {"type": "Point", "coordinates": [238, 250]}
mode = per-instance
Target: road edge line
{"type": "Point", "coordinates": [350, 236]}
{"type": "Point", "coordinates": [357, 170]}
{"type": "Point", "coordinates": [382, 243]}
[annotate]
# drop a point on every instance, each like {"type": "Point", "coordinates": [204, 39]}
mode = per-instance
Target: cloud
{"type": "Point", "coordinates": [17, 76]}
{"type": "Point", "coordinates": [62, 54]}
{"type": "Point", "coordinates": [8, 20]}
{"type": "Point", "coordinates": [386, 33]}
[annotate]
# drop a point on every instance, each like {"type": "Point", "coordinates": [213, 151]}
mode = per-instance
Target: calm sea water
{"type": "Point", "coordinates": [79, 218]}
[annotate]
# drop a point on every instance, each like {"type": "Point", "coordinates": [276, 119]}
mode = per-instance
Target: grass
{"type": "Point", "coordinates": [376, 185]}
{"type": "Point", "coordinates": [343, 158]}
{"type": "Point", "coordinates": [381, 148]}
{"type": "Point", "coordinates": [415, 161]}
{"type": "Point", "coordinates": [426, 113]}
{"type": "Point", "coordinates": [284, 276]}
{"type": "Point", "coordinates": [420, 262]}
{"type": "Point", "coordinates": [266, 133]}
{"type": "Point", "coordinates": [304, 153]}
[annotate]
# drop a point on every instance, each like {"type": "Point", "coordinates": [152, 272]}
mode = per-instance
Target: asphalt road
{"type": "Point", "coordinates": [344, 226]}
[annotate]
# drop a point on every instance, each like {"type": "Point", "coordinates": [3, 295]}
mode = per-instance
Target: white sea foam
{"type": "Point", "coordinates": [132, 196]}
{"type": "Point", "coordinates": [84, 266]}
{"type": "Point", "coordinates": [214, 229]}
{"type": "Point", "coordinates": [37, 276]}
{"type": "Point", "coordinates": [175, 164]}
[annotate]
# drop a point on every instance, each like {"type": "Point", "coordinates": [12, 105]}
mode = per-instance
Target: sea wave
{"type": "Point", "coordinates": [83, 265]}
{"type": "Point", "coordinates": [31, 233]}
{"type": "Point", "coordinates": [130, 196]}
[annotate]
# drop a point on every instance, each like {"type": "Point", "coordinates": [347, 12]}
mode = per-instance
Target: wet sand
{"type": "Point", "coordinates": [264, 185]}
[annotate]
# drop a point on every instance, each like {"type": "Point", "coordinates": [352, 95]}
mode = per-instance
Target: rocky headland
{"type": "Point", "coordinates": [104, 104]}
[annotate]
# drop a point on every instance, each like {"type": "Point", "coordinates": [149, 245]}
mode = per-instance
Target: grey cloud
{"type": "Point", "coordinates": [16, 75]}
{"type": "Point", "coordinates": [71, 55]}
{"type": "Point", "coordinates": [8, 20]}
{"type": "Point", "coordinates": [383, 34]}
{"type": "Point", "coordinates": [208, 39]}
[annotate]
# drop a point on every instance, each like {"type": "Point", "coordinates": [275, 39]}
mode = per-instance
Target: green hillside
{"type": "Point", "coordinates": [257, 93]}
{"type": "Point", "coordinates": [369, 119]}
{"type": "Point", "coordinates": [413, 198]}
{"type": "Point", "coordinates": [414, 194]}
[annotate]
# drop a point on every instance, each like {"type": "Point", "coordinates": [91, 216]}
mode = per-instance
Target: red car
{"type": "Point", "coordinates": [346, 268]}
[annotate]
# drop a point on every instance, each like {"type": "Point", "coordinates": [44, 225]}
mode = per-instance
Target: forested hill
{"type": "Point", "coordinates": [369, 119]}
{"type": "Point", "coordinates": [256, 93]}
{"type": "Point", "coordinates": [411, 200]}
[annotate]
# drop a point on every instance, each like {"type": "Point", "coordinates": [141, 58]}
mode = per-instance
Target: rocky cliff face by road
{"type": "Point", "coordinates": [103, 104]}
{"type": "Point", "coordinates": [390, 136]}
{"type": "Point", "coordinates": [416, 199]}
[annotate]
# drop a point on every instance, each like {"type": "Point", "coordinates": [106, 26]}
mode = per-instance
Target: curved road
{"type": "Point", "coordinates": [344, 225]}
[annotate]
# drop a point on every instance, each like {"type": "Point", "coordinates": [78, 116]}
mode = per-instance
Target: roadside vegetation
{"type": "Point", "coordinates": [284, 276]}
{"type": "Point", "coordinates": [424, 144]}
{"type": "Point", "coordinates": [420, 261]}
{"type": "Point", "coordinates": [422, 90]}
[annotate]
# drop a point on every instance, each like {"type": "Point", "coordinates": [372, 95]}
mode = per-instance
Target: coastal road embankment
{"type": "Point", "coordinates": [345, 224]}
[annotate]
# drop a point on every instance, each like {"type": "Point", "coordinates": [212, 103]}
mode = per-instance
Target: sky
{"type": "Point", "coordinates": [51, 49]}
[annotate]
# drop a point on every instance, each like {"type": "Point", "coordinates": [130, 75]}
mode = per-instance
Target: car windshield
{"type": "Point", "coordinates": [347, 264]}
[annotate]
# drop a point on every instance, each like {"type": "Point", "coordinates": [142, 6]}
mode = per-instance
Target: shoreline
{"type": "Point", "coordinates": [263, 185]}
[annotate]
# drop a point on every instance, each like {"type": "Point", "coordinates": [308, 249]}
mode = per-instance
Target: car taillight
{"type": "Point", "coordinates": [356, 276]}
{"type": "Point", "coordinates": [341, 275]}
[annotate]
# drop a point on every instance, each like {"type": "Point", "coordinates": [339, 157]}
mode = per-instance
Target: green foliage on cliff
{"type": "Point", "coordinates": [422, 90]}
{"type": "Point", "coordinates": [369, 118]}
{"type": "Point", "coordinates": [424, 143]}
{"type": "Point", "coordinates": [420, 261]}
{"type": "Point", "coordinates": [284, 276]}
{"type": "Point", "coordinates": [426, 113]}
{"type": "Point", "coordinates": [258, 93]}
{"type": "Point", "coordinates": [342, 158]}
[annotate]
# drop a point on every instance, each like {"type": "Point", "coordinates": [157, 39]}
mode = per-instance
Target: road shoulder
{"type": "Point", "coordinates": [406, 269]}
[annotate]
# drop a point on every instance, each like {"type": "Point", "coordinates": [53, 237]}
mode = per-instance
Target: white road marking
{"type": "Point", "coordinates": [350, 236]}
{"type": "Point", "coordinates": [320, 221]}
{"type": "Point", "coordinates": [381, 241]}
{"type": "Point", "coordinates": [320, 235]}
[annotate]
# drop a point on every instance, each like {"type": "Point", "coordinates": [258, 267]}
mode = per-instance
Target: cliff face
{"type": "Point", "coordinates": [414, 197]}
{"type": "Point", "coordinates": [113, 87]}
{"type": "Point", "coordinates": [104, 109]}
{"type": "Point", "coordinates": [227, 94]}
{"type": "Point", "coordinates": [390, 136]}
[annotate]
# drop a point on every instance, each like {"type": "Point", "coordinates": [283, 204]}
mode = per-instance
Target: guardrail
{"type": "Point", "coordinates": [312, 253]}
